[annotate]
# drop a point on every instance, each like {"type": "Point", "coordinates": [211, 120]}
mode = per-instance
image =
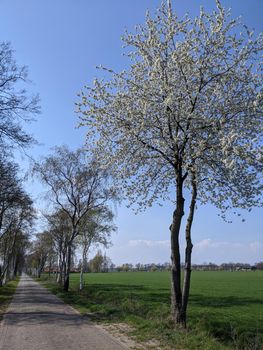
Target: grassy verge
{"type": "Point", "coordinates": [225, 309]}
{"type": "Point", "coordinates": [6, 295]}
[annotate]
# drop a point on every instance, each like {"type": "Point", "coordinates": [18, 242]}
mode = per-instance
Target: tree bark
{"type": "Point", "coordinates": [68, 265]}
{"type": "Point", "coordinates": [176, 292]}
{"type": "Point", "coordinates": [16, 267]}
{"type": "Point", "coordinates": [81, 278]}
{"type": "Point", "coordinates": [188, 250]}
{"type": "Point", "coordinates": [81, 272]}
{"type": "Point", "coordinates": [84, 259]}
{"type": "Point", "coordinates": [62, 263]}
{"type": "Point", "coordinates": [58, 271]}
{"type": "Point", "coordinates": [49, 268]}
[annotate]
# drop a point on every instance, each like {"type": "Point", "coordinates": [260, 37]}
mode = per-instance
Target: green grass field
{"type": "Point", "coordinates": [225, 308]}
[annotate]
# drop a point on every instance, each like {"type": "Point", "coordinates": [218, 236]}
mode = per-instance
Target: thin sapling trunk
{"type": "Point", "coordinates": [68, 265]}
{"type": "Point", "coordinates": [188, 251]}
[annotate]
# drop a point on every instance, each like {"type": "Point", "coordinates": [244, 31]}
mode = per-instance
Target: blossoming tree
{"type": "Point", "coordinates": [186, 117]}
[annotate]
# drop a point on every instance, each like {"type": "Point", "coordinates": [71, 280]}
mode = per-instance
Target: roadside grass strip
{"type": "Point", "coordinates": [6, 294]}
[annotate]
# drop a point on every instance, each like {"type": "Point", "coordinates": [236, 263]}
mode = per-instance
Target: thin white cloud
{"type": "Point", "coordinates": [206, 250]}
{"type": "Point", "coordinates": [147, 243]}
{"type": "Point", "coordinates": [223, 251]}
{"type": "Point", "coordinates": [256, 246]}
{"type": "Point", "coordinates": [209, 243]}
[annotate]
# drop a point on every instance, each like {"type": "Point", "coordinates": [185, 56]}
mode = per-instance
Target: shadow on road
{"type": "Point", "coordinates": [41, 318]}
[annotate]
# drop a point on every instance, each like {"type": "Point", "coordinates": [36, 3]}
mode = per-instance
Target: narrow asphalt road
{"type": "Point", "coordinates": [38, 320]}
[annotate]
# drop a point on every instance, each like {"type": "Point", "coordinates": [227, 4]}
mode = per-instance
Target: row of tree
{"type": "Point", "coordinates": [16, 218]}
{"type": "Point", "coordinates": [49, 251]}
{"type": "Point", "coordinates": [101, 263]}
{"type": "Point", "coordinates": [16, 206]}
{"type": "Point", "coordinates": [78, 193]}
{"type": "Point", "coordinates": [195, 267]}
{"type": "Point", "coordinates": [78, 190]}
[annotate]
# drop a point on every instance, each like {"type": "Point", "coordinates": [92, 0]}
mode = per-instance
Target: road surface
{"type": "Point", "coordinates": [38, 320]}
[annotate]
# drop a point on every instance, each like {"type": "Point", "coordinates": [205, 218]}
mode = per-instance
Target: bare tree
{"type": "Point", "coordinates": [18, 221]}
{"type": "Point", "coordinates": [96, 229]}
{"type": "Point", "coordinates": [42, 251]}
{"type": "Point", "coordinates": [76, 186]}
{"type": "Point", "coordinates": [16, 105]}
{"type": "Point", "coordinates": [59, 225]}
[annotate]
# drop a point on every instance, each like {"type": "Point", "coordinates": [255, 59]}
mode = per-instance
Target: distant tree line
{"type": "Point", "coordinates": [195, 267]}
{"type": "Point", "coordinates": [102, 263]}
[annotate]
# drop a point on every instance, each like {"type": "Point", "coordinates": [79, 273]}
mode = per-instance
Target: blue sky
{"type": "Point", "coordinates": [61, 42]}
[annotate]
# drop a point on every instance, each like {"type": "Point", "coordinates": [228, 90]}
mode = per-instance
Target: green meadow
{"type": "Point", "coordinates": [225, 308]}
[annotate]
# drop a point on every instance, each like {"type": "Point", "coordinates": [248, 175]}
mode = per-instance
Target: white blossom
{"type": "Point", "coordinates": [192, 97]}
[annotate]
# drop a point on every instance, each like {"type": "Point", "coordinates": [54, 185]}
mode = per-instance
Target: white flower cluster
{"type": "Point", "coordinates": [190, 104]}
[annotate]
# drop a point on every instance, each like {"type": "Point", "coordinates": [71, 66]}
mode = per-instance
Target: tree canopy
{"type": "Point", "coordinates": [16, 104]}
{"type": "Point", "coordinates": [186, 116]}
{"type": "Point", "coordinates": [77, 186]}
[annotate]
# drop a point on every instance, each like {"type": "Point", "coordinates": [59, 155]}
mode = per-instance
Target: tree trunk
{"type": "Point", "coordinates": [84, 258]}
{"type": "Point", "coordinates": [188, 250]}
{"type": "Point", "coordinates": [58, 268]}
{"type": "Point", "coordinates": [176, 292]}
{"type": "Point", "coordinates": [4, 275]}
{"type": "Point", "coordinates": [81, 278]}
{"type": "Point", "coordinates": [6, 262]}
{"type": "Point", "coordinates": [61, 265]}
{"type": "Point", "coordinates": [66, 282]}
{"type": "Point", "coordinates": [64, 267]}
{"type": "Point", "coordinates": [11, 268]}
{"type": "Point", "coordinates": [16, 267]}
